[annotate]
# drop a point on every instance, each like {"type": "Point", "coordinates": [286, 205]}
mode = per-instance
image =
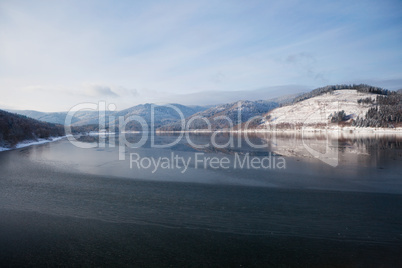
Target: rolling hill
{"type": "Point", "coordinates": [344, 105]}
{"type": "Point", "coordinates": [16, 128]}
{"type": "Point", "coordinates": [162, 115]}
{"type": "Point", "coordinates": [80, 118]}
{"type": "Point", "coordinates": [218, 116]}
{"type": "Point", "coordinates": [338, 107]}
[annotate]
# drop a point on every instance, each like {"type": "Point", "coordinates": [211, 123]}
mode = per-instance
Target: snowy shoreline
{"type": "Point", "coordinates": [331, 130]}
{"type": "Point", "coordinates": [32, 142]}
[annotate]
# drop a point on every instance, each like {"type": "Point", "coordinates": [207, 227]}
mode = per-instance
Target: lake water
{"type": "Point", "coordinates": [337, 204]}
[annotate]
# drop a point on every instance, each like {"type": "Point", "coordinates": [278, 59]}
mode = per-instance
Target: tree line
{"type": "Point", "coordinates": [16, 128]}
{"type": "Point", "coordinates": [328, 89]}
{"type": "Point", "coordinates": [386, 113]}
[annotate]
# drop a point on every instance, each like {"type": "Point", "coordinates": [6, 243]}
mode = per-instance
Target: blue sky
{"type": "Point", "coordinates": [55, 54]}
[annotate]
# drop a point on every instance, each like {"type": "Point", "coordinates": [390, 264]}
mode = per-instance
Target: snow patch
{"type": "Point", "coordinates": [39, 141]}
{"type": "Point", "coordinates": [32, 142]}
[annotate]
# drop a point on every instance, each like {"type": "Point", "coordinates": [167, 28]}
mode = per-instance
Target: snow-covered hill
{"type": "Point", "coordinates": [162, 115]}
{"type": "Point", "coordinates": [223, 116]}
{"type": "Point", "coordinates": [316, 111]}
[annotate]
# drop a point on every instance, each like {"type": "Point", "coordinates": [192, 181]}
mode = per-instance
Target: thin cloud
{"type": "Point", "coordinates": [300, 57]}
{"type": "Point", "coordinates": [204, 46]}
{"type": "Point", "coordinates": [307, 64]}
{"type": "Point", "coordinates": [100, 91]}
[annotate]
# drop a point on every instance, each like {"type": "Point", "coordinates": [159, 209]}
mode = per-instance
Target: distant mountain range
{"type": "Point", "coordinates": [80, 117]}
{"type": "Point", "coordinates": [162, 115]}
{"type": "Point", "coordinates": [359, 104]}
{"type": "Point", "coordinates": [223, 116]}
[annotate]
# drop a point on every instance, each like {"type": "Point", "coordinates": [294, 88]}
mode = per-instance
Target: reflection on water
{"type": "Point", "coordinates": [75, 203]}
{"type": "Point", "coordinates": [366, 164]}
{"type": "Point", "coordinates": [350, 150]}
{"type": "Point", "coordinates": [289, 144]}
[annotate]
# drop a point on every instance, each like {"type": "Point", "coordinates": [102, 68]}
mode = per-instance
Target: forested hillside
{"type": "Point", "coordinates": [386, 113]}
{"type": "Point", "coordinates": [218, 116]}
{"type": "Point", "coordinates": [162, 115]}
{"type": "Point", "coordinates": [16, 128]}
